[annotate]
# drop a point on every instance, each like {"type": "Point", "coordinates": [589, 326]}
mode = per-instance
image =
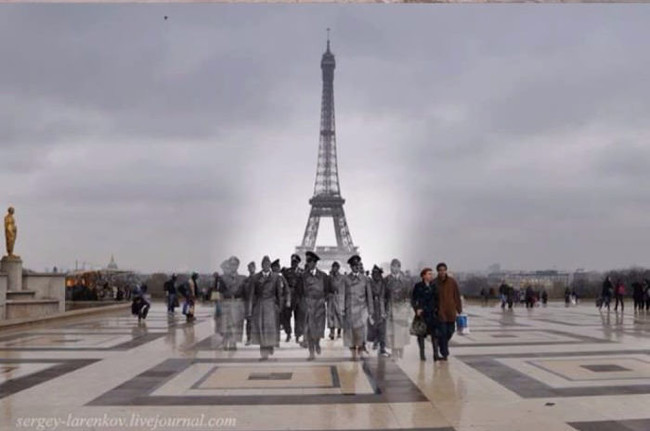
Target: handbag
{"type": "Point", "coordinates": [418, 327]}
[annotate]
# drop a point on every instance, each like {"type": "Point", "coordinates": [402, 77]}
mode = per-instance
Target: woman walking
{"type": "Point", "coordinates": [424, 301]}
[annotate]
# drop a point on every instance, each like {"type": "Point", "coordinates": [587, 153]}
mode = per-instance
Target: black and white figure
{"type": "Point", "coordinates": [335, 301]}
{"type": "Point", "coordinates": [313, 286]}
{"type": "Point", "coordinates": [358, 307]}
{"type": "Point", "coordinates": [286, 295]}
{"type": "Point", "coordinates": [233, 311]}
{"type": "Point", "coordinates": [266, 299]}
{"type": "Point", "coordinates": [291, 275]}
{"type": "Point", "coordinates": [248, 285]}
{"type": "Point", "coordinates": [377, 321]}
{"type": "Point", "coordinates": [398, 309]}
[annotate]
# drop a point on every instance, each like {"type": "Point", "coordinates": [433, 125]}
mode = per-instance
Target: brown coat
{"type": "Point", "coordinates": [448, 300]}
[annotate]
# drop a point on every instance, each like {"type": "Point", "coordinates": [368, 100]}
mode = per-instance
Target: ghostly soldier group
{"type": "Point", "coordinates": [358, 308]}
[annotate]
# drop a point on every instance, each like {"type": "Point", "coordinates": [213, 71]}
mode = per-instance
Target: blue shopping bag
{"type": "Point", "coordinates": [462, 324]}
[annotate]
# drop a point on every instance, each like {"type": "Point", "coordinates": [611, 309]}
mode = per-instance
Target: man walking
{"type": "Point", "coordinates": [189, 291]}
{"type": "Point", "coordinates": [398, 309]}
{"type": "Point", "coordinates": [606, 293]}
{"type": "Point", "coordinates": [170, 291]}
{"type": "Point", "coordinates": [449, 307]}
{"type": "Point", "coordinates": [292, 274]}
{"type": "Point", "coordinates": [266, 301]}
{"type": "Point", "coordinates": [286, 296]}
{"type": "Point", "coordinates": [248, 286]}
{"type": "Point", "coordinates": [313, 287]}
{"type": "Point", "coordinates": [233, 309]}
{"type": "Point", "coordinates": [358, 306]}
{"type": "Point", "coordinates": [377, 329]}
{"type": "Point", "coordinates": [335, 302]}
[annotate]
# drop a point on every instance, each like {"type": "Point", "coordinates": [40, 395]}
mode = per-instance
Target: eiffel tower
{"type": "Point", "coordinates": [327, 200]}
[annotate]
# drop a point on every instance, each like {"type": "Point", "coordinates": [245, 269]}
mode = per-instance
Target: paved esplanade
{"type": "Point", "coordinates": [548, 369]}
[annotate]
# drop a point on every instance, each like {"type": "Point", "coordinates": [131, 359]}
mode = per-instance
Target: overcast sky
{"type": "Point", "coordinates": [514, 134]}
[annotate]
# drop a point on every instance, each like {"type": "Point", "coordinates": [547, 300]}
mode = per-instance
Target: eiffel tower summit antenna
{"type": "Point", "coordinates": [327, 200]}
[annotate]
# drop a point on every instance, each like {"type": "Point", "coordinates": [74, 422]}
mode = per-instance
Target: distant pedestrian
{"type": "Point", "coordinates": [171, 294]}
{"type": "Point", "coordinates": [139, 305]}
{"type": "Point", "coordinates": [544, 297]}
{"type": "Point", "coordinates": [529, 297]}
{"type": "Point", "coordinates": [567, 296]}
{"type": "Point", "coordinates": [637, 296]}
{"type": "Point", "coordinates": [510, 296]}
{"type": "Point", "coordinates": [189, 292]}
{"type": "Point", "coordinates": [619, 293]}
{"type": "Point", "coordinates": [606, 293]}
{"type": "Point", "coordinates": [503, 294]}
{"type": "Point", "coordinates": [484, 296]}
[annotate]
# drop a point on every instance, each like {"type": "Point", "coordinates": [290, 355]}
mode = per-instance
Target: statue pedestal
{"type": "Point", "coordinates": [13, 267]}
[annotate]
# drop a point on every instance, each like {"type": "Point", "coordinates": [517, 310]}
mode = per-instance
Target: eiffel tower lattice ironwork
{"type": "Point", "coordinates": [327, 200]}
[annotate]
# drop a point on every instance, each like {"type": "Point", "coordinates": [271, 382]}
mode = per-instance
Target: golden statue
{"type": "Point", "coordinates": [10, 231]}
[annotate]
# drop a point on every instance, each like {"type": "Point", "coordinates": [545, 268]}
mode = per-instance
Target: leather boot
{"type": "Point", "coordinates": [421, 346]}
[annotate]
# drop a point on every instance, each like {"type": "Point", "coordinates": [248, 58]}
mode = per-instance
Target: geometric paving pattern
{"type": "Point", "coordinates": [20, 374]}
{"type": "Point", "coordinates": [75, 341]}
{"type": "Point", "coordinates": [546, 369]}
{"type": "Point", "coordinates": [551, 375]}
{"type": "Point", "coordinates": [229, 382]}
{"type": "Point", "coordinates": [508, 337]}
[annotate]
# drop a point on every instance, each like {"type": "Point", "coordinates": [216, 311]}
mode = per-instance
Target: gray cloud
{"type": "Point", "coordinates": [474, 135]}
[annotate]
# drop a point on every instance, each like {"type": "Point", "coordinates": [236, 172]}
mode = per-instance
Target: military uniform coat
{"type": "Point", "coordinates": [376, 329]}
{"type": "Point", "coordinates": [335, 301]}
{"type": "Point", "coordinates": [285, 298]}
{"type": "Point", "coordinates": [314, 288]}
{"type": "Point", "coordinates": [266, 298]}
{"type": "Point", "coordinates": [233, 306]}
{"type": "Point", "coordinates": [399, 312]}
{"type": "Point", "coordinates": [356, 308]}
{"type": "Point", "coordinates": [293, 277]}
